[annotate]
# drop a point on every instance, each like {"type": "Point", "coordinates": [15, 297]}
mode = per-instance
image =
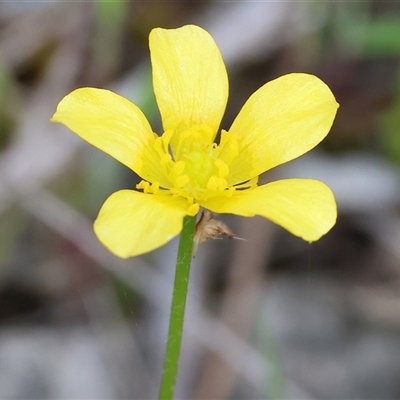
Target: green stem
{"type": "Point", "coordinates": [177, 309]}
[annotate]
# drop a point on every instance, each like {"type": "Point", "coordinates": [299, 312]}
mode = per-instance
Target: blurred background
{"type": "Point", "coordinates": [271, 317]}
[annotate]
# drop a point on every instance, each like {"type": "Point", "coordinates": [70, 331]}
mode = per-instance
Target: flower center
{"type": "Point", "coordinates": [196, 168]}
{"type": "Point", "coordinates": [199, 166]}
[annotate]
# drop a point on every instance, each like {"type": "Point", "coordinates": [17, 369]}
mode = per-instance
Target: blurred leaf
{"type": "Point", "coordinates": [351, 24]}
{"type": "Point", "coordinates": [382, 37]}
{"type": "Point", "coordinates": [108, 40]}
{"type": "Point", "coordinates": [12, 225]}
{"type": "Point", "coordinates": [126, 297]}
{"type": "Point", "coordinates": [390, 126]}
{"type": "Point", "coordinates": [111, 13]}
{"type": "Point", "coordinates": [367, 36]}
{"type": "Point", "coordinates": [147, 102]}
{"type": "Point", "coordinates": [102, 175]}
{"type": "Point", "coordinates": [268, 344]}
{"type": "Point", "coordinates": [9, 106]}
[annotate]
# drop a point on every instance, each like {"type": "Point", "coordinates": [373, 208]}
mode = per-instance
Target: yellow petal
{"type": "Point", "coordinates": [132, 223]}
{"type": "Point", "coordinates": [282, 120]}
{"type": "Point", "coordinates": [113, 124]}
{"type": "Point", "coordinates": [189, 78]}
{"type": "Point", "coordinates": [305, 207]}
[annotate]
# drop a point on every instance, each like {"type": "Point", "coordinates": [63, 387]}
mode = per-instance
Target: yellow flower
{"type": "Point", "coordinates": [183, 168]}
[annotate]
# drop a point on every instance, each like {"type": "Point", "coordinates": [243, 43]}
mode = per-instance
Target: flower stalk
{"type": "Point", "coordinates": [178, 304]}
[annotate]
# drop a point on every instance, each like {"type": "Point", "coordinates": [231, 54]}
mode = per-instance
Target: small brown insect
{"type": "Point", "coordinates": [209, 228]}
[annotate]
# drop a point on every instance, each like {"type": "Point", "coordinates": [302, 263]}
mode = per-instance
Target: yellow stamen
{"type": "Point", "coordinates": [196, 167]}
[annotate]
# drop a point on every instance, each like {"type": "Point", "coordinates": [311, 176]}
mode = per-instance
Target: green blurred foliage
{"type": "Point", "coordinates": [9, 105]}
{"type": "Point", "coordinates": [370, 36]}
{"type": "Point", "coordinates": [13, 224]}
{"type": "Point", "coordinates": [128, 300]}
{"type": "Point", "coordinates": [267, 343]}
{"type": "Point", "coordinates": [390, 125]}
